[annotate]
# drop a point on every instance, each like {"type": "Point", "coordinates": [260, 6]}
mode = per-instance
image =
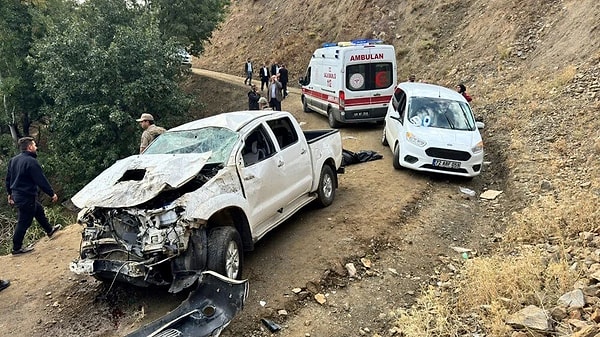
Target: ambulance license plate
{"type": "Point", "coordinates": [361, 114]}
{"type": "Point", "coordinates": [446, 163]}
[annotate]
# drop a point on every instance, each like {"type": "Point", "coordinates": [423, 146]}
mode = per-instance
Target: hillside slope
{"type": "Point", "coordinates": [533, 68]}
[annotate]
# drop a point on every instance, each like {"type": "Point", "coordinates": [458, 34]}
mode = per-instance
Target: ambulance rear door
{"type": "Point", "coordinates": [369, 80]}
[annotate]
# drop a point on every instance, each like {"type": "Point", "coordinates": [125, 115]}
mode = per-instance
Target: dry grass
{"type": "Point", "coordinates": [432, 315]}
{"type": "Point", "coordinates": [499, 285]}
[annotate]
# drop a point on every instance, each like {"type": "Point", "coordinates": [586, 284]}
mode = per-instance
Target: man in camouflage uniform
{"type": "Point", "coordinates": [151, 131]}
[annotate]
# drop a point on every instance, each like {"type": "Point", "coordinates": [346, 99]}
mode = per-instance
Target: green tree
{"type": "Point", "coordinates": [19, 98]}
{"type": "Point", "coordinates": [102, 69]}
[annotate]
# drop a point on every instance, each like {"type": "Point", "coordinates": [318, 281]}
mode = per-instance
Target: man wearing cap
{"type": "Point", "coordinates": [151, 131]}
{"type": "Point", "coordinates": [263, 104]}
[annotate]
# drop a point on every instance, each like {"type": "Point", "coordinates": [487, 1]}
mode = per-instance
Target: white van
{"type": "Point", "coordinates": [350, 82]}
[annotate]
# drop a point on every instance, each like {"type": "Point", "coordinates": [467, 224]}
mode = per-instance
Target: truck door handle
{"type": "Point", "coordinates": [303, 151]}
{"type": "Point", "coordinates": [249, 177]}
{"type": "Point", "coordinates": [280, 163]}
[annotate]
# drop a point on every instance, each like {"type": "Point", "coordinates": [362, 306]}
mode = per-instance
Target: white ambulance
{"type": "Point", "coordinates": [350, 82]}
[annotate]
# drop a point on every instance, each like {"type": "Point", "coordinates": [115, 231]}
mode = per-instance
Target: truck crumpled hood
{"type": "Point", "coordinates": [137, 179]}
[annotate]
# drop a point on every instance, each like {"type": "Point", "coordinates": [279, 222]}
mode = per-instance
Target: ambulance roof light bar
{"type": "Point", "coordinates": [355, 42]}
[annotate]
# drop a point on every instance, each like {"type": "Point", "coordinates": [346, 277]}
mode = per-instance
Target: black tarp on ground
{"type": "Point", "coordinates": [349, 157]}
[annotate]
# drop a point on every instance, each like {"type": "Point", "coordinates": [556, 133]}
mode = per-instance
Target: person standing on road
{"type": "Point", "coordinates": [264, 77]}
{"type": "Point", "coordinates": [151, 131]}
{"type": "Point", "coordinates": [253, 97]}
{"type": "Point", "coordinates": [248, 70]}
{"type": "Point", "coordinates": [23, 179]}
{"type": "Point", "coordinates": [274, 68]}
{"type": "Point", "coordinates": [274, 93]}
{"type": "Point", "coordinates": [283, 78]}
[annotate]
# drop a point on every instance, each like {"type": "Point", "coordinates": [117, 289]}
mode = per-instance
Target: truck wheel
{"type": "Point", "coordinates": [396, 160]}
{"type": "Point", "coordinates": [384, 140]}
{"type": "Point", "coordinates": [225, 255]}
{"type": "Point", "coordinates": [332, 121]}
{"type": "Point", "coordinates": [305, 107]}
{"type": "Point", "coordinates": [326, 191]}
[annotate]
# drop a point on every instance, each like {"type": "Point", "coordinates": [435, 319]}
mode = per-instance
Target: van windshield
{"type": "Point", "coordinates": [369, 76]}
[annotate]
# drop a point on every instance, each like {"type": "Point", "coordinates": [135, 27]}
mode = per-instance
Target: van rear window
{"type": "Point", "coordinates": [369, 76]}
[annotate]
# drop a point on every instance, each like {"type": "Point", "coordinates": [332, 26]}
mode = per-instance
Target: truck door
{"type": "Point", "coordinates": [293, 159]}
{"type": "Point", "coordinates": [261, 177]}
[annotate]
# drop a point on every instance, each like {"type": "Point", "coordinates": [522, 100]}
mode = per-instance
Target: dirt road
{"type": "Point", "coordinates": [396, 227]}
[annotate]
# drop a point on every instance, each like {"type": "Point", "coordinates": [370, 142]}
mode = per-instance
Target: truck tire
{"type": "Point", "coordinates": [305, 107]}
{"type": "Point", "coordinates": [396, 160]}
{"type": "Point", "coordinates": [225, 254]}
{"type": "Point", "coordinates": [326, 191]}
{"type": "Point", "coordinates": [384, 140]}
{"type": "Point", "coordinates": [332, 121]}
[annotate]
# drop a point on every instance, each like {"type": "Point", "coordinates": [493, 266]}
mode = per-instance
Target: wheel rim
{"type": "Point", "coordinates": [327, 186]}
{"type": "Point", "coordinates": [232, 262]}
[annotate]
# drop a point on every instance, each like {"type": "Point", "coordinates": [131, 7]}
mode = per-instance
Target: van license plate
{"type": "Point", "coordinates": [361, 114]}
{"type": "Point", "coordinates": [446, 163]}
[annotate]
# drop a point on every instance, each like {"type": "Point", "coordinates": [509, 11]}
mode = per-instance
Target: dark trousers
{"type": "Point", "coordinates": [275, 104]}
{"type": "Point", "coordinates": [264, 82]}
{"type": "Point", "coordinates": [248, 78]}
{"type": "Point", "coordinates": [28, 208]}
{"type": "Point", "coordinates": [284, 89]}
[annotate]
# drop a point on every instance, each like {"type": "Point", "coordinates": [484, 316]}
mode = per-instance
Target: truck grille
{"type": "Point", "coordinates": [170, 333]}
{"type": "Point", "coordinates": [448, 154]}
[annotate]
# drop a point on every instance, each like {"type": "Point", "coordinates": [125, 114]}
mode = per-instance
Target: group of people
{"type": "Point", "coordinates": [275, 80]}
{"type": "Point", "coordinates": [460, 88]}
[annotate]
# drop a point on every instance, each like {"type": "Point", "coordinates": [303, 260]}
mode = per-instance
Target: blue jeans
{"type": "Point", "coordinates": [28, 208]}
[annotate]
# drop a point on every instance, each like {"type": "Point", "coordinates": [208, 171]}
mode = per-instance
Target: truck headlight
{"type": "Point", "coordinates": [415, 140]}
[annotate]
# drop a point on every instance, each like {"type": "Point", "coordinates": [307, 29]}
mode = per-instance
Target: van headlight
{"type": "Point", "coordinates": [478, 147]}
{"type": "Point", "coordinates": [415, 140]}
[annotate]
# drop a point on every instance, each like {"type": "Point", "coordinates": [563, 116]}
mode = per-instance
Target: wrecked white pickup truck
{"type": "Point", "coordinates": [200, 195]}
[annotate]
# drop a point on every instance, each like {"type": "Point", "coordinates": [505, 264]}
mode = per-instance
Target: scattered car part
{"type": "Point", "coordinates": [205, 313]}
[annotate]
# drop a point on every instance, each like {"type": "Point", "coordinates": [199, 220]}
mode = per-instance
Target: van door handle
{"type": "Point", "coordinates": [249, 177]}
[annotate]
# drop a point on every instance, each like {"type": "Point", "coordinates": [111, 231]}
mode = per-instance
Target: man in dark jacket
{"type": "Point", "coordinates": [23, 179]}
{"type": "Point", "coordinates": [283, 78]}
{"type": "Point", "coordinates": [253, 97]}
{"type": "Point", "coordinates": [265, 74]}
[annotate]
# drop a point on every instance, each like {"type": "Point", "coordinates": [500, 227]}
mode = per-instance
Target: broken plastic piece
{"type": "Point", "coordinates": [272, 326]}
{"type": "Point", "coordinates": [206, 311]}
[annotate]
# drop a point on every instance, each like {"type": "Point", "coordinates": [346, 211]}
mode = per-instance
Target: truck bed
{"type": "Point", "coordinates": [315, 135]}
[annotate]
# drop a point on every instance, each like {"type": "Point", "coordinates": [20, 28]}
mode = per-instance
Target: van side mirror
{"type": "Point", "coordinates": [302, 81]}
